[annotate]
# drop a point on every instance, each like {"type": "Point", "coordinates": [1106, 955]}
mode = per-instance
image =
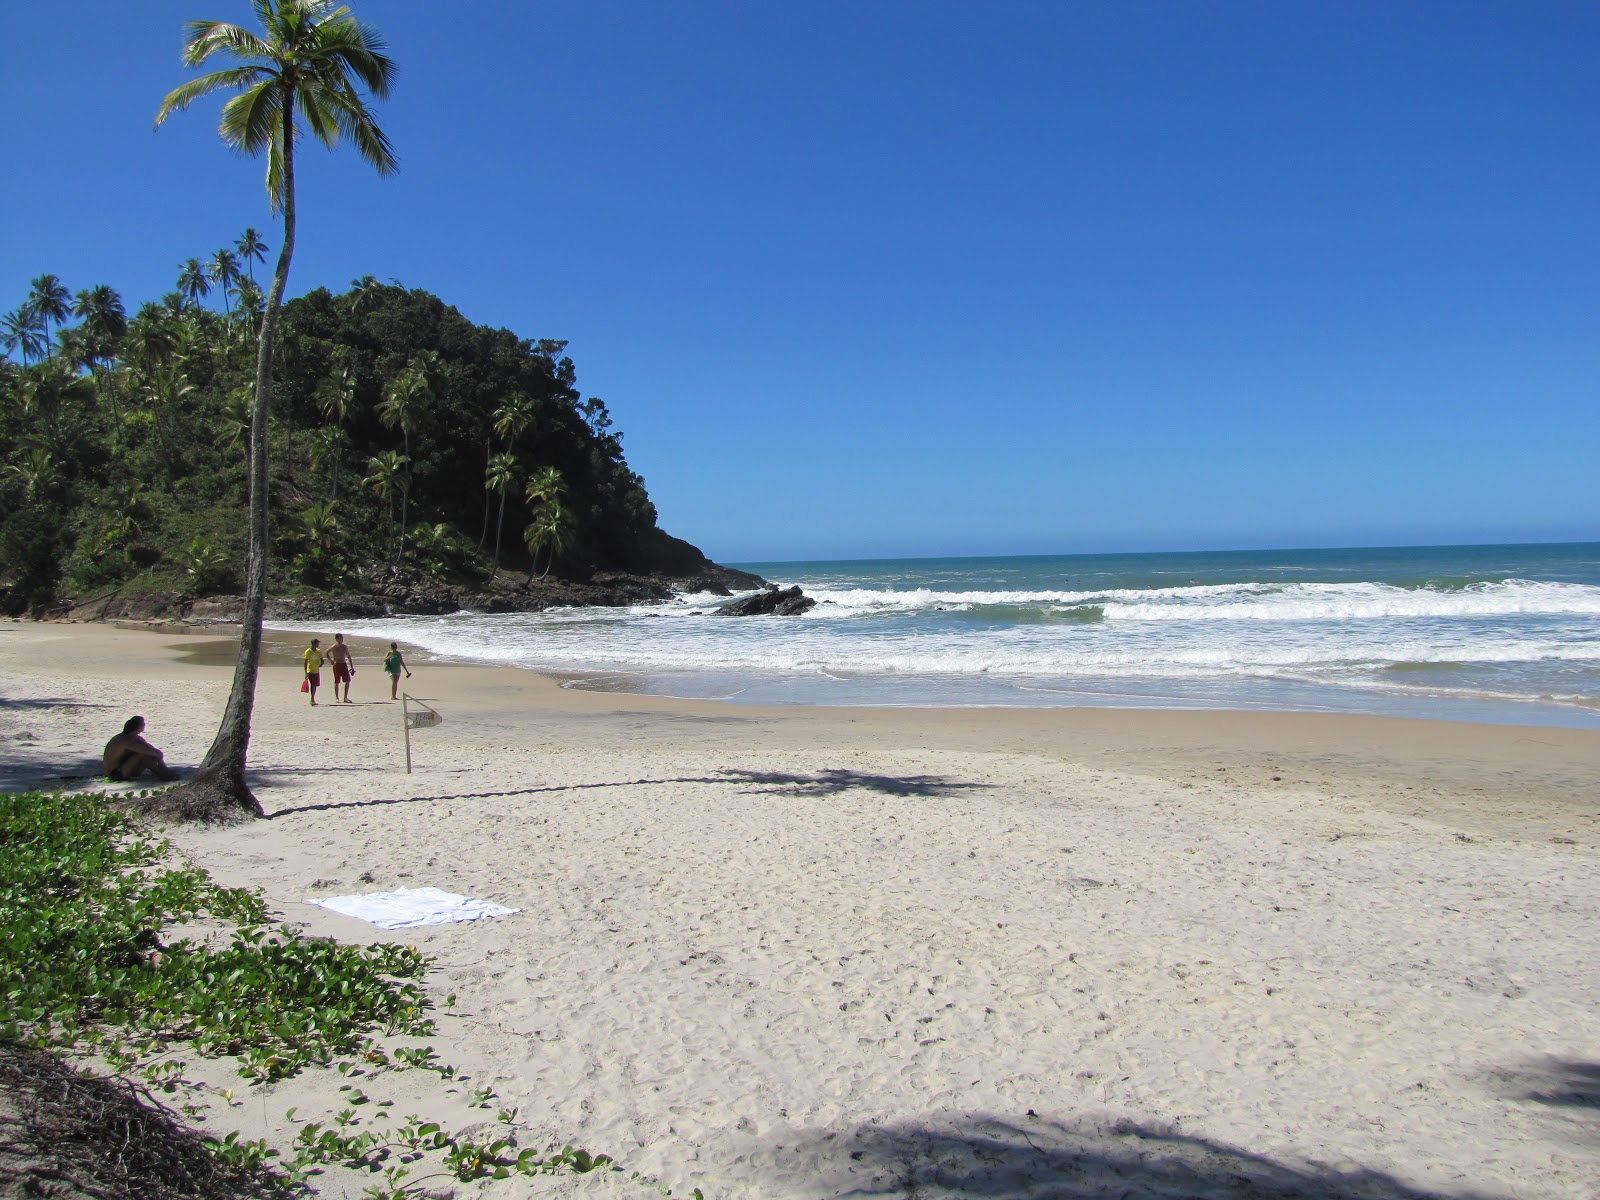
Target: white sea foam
{"type": "Point", "coordinates": [1246, 601]}
{"type": "Point", "coordinates": [1512, 638]}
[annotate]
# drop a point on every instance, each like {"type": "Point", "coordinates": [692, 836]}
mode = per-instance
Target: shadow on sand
{"type": "Point", "coordinates": [822, 783]}
{"type": "Point", "coordinates": [979, 1157]}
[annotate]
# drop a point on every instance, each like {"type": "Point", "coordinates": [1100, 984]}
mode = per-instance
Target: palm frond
{"type": "Point", "coordinates": [356, 122]}
{"type": "Point", "coordinates": [185, 94]}
{"type": "Point", "coordinates": [252, 118]}
{"type": "Point", "coordinates": [205, 38]}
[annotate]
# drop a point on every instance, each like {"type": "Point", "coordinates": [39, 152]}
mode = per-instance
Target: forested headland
{"type": "Point", "coordinates": [419, 462]}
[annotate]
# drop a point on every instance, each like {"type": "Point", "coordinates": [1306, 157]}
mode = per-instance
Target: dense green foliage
{"type": "Point", "coordinates": [88, 901]}
{"type": "Point", "coordinates": [402, 435]}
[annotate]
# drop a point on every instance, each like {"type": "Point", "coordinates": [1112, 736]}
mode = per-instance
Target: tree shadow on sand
{"type": "Point", "coordinates": [984, 1158]}
{"type": "Point", "coordinates": [1567, 1088]}
{"type": "Point", "coordinates": [830, 782]}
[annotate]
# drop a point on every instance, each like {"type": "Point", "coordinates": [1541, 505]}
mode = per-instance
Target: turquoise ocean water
{"type": "Point", "coordinates": [1490, 633]}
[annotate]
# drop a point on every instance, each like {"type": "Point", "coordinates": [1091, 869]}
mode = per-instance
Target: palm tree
{"type": "Point", "coordinates": [49, 300]}
{"type": "Point", "coordinates": [20, 329]}
{"type": "Point", "coordinates": [389, 475]}
{"type": "Point", "coordinates": [363, 294]}
{"type": "Point", "coordinates": [235, 424]}
{"type": "Point", "coordinates": [251, 302]}
{"type": "Point", "coordinates": [251, 251]}
{"type": "Point", "coordinates": [193, 282]}
{"type": "Point", "coordinates": [327, 446]}
{"type": "Point", "coordinates": [35, 471]}
{"type": "Point", "coordinates": [510, 421]}
{"type": "Point", "coordinates": [403, 405]}
{"type": "Point", "coordinates": [546, 485]}
{"type": "Point", "coordinates": [224, 270]}
{"type": "Point", "coordinates": [499, 477]}
{"type": "Point", "coordinates": [304, 68]}
{"type": "Point", "coordinates": [338, 395]}
{"type": "Point", "coordinates": [105, 321]}
{"type": "Point", "coordinates": [551, 526]}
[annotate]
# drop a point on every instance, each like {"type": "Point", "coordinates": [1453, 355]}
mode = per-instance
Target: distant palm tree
{"type": "Point", "coordinates": [546, 485]}
{"type": "Point", "coordinates": [502, 473]}
{"type": "Point", "coordinates": [552, 528]}
{"type": "Point", "coordinates": [389, 477]}
{"type": "Point", "coordinates": [251, 302]}
{"type": "Point", "coordinates": [510, 421]}
{"type": "Point", "coordinates": [35, 471]}
{"type": "Point", "coordinates": [363, 294]}
{"type": "Point", "coordinates": [308, 61]}
{"type": "Point", "coordinates": [251, 251]}
{"type": "Point", "coordinates": [338, 396]}
{"type": "Point", "coordinates": [193, 282]}
{"type": "Point", "coordinates": [235, 424]}
{"type": "Point", "coordinates": [224, 271]}
{"type": "Point", "coordinates": [327, 447]}
{"type": "Point", "coordinates": [403, 405]}
{"type": "Point", "coordinates": [105, 321]}
{"type": "Point", "coordinates": [20, 330]}
{"type": "Point", "coordinates": [49, 300]}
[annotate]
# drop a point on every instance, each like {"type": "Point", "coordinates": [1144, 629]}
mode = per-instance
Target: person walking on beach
{"type": "Point", "coordinates": [128, 755]}
{"type": "Point", "coordinates": [393, 663]}
{"type": "Point", "coordinates": [344, 667]}
{"type": "Point", "coordinates": [313, 669]}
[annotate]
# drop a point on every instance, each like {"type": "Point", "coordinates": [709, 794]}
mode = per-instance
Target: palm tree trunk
{"type": "Point", "coordinates": [499, 520]}
{"type": "Point", "coordinates": [405, 496]}
{"type": "Point", "coordinates": [217, 791]}
{"type": "Point", "coordinates": [488, 455]}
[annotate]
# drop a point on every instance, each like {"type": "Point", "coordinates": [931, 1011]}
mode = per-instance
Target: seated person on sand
{"type": "Point", "coordinates": [128, 755]}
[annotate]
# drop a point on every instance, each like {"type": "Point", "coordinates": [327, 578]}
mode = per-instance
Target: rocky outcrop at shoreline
{"type": "Point", "coordinates": [790, 602]}
{"type": "Point", "coordinates": [395, 593]}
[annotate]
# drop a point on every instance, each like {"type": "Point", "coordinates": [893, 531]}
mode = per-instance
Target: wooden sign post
{"type": "Point", "coordinates": [427, 718]}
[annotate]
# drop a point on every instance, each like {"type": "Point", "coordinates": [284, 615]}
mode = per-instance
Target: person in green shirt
{"type": "Point", "coordinates": [314, 668]}
{"type": "Point", "coordinates": [393, 663]}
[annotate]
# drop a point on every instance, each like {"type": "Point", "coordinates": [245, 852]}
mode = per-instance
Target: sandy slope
{"type": "Point", "coordinates": [819, 953]}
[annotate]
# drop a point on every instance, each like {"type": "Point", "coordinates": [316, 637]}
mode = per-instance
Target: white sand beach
{"type": "Point", "coordinates": [806, 953]}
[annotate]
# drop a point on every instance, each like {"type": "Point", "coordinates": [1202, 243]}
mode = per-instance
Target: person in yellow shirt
{"type": "Point", "coordinates": [314, 667]}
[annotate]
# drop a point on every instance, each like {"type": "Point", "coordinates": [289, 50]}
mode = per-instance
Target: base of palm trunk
{"type": "Point", "coordinates": [220, 799]}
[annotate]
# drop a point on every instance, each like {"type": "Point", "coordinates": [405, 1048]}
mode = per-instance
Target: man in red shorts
{"type": "Point", "coordinates": [344, 667]}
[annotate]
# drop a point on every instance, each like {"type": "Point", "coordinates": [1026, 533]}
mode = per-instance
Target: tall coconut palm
{"type": "Point", "coordinates": [403, 405]}
{"type": "Point", "coordinates": [302, 71]}
{"type": "Point", "coordinates": [49, 300]}
{"type": "Point", "coordinates": [251, 250]}
{"type": "Point", "coordinates": [510, 421]}
{"type": "Point", "coordinates": [363, 294]}
{"type": "Point", "coordinates": [20, 330]}
{"type": "Point", "coordinates": [194, 285]}
{"type": "Point", "coordinates": [338, 396]}
{"type": "Point", "coordinates": [105, 321]}
{"type": "Point", "coordinates": [499, 477]}
{"type": "Point", "coordinates": [552, 527]}
{"type": "Point", "coordinates": [389, 477]}
{"type": "Point", "coordinates": [546, 485]}
{"type": "Point", "coordinates": [224, 271]}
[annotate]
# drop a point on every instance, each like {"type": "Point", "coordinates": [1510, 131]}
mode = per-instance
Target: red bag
{"type": "Point", "coordinates": [305, 685]}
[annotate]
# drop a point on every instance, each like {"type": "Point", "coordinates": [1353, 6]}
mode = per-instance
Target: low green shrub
{"type": "Point", "coordinates": [88, 902]}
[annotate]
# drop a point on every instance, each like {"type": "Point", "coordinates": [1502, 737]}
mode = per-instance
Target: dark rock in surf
{"type": "Point", "coordinates": [788, 602]}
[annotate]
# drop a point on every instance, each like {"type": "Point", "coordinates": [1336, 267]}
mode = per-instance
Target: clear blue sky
{"type": "Point", "coordinates": [923, 277]}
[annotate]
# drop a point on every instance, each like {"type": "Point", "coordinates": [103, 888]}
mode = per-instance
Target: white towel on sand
{"type": "Point", "coordinates": [409, 907]}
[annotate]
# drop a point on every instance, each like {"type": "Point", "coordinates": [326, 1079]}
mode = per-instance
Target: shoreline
{"type": "Point", "coordinates": [790, 952]}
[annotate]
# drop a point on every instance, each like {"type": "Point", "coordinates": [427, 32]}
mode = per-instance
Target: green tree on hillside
{"type": "Point", "coordinates": [251, 250]}
{"type": "Point", "coordinates": [302, 71]}
{"type": "Point", "coordinates": [499, 477]}
{"type": "Point", "coordinates": [49, 300]}
{"type": "Point", "coordinates": [403, 405]}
